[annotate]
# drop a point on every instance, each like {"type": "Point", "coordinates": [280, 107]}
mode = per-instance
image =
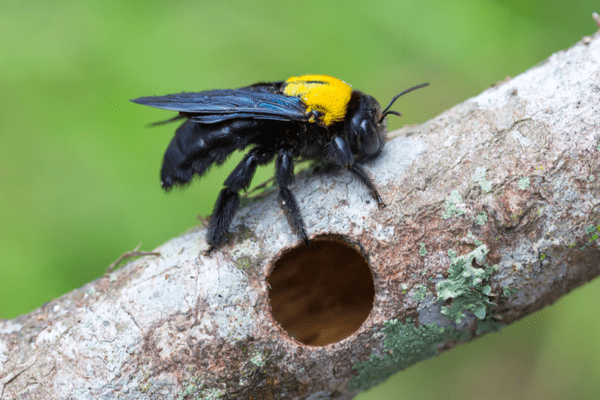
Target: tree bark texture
{"type": "Point", "coordinates": [492, 213]}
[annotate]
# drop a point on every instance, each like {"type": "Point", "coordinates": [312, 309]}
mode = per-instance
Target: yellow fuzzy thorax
{"type": "Point", "coordinates": [326, 94]}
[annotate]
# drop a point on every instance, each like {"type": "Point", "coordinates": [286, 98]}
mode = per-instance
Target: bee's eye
{"type": "Point", "coordinates": [369, 137]}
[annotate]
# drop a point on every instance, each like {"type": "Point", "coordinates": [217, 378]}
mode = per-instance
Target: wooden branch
{"type": "Point", "coordinates": [492, 213]}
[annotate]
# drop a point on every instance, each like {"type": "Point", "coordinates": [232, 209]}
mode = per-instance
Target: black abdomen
{"type": "Point", "coordinates": [195, 147]}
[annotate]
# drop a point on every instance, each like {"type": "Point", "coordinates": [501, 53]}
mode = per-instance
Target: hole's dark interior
{"type": "Point", "coordinates": [321, 293]}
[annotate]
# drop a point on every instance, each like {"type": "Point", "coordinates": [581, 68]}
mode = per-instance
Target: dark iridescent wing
{"type": "Point", "coordinates": [225, 104]}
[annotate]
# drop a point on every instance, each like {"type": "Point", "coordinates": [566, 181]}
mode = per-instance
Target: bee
{"type": "Point", "coordinates": [309, 117]}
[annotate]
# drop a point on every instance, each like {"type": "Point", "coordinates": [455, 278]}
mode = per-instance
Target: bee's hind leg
{"type": "Point", "coordinates": [229, 198]}
{"type": "Point", "coordinates": [284, 167]}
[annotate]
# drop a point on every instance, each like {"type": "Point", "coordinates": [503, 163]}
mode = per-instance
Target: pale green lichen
{"type": "Point", "coordinates": [507, 291]}
{"type": "Point", "coordinates": [591, 230]}
{"type": "Point", "coordinates": [257, 360]}
{"type": "Point", "coordinates": [195, 391]}
{"type": "Point", "coordinates": [481, 218]}
{"type": "Point", "coordinates": [464, 285]}
{"type": "Point", "coordinates": [244, 263]}
{"type": "Point", "coordinates": [480, 177]}
{"type": "Point", "coordinates": [188, 391]}
{"type": "Point", "coordinates": [420, 293]}
{"type": "Point", "coordinates": [405, 345]}
{"type": "Point", "coordinates": [474, 239]}
{"type": "Point", "coordinates": [422, 250]}
{"type": "Point", "coordinates": [211, 394]}
{"type": "Point", "coordinates": [523, 183]}
{"type": "Point", "coordinates": [451, 205]}
{"type": "Point", "coordinates": [192, 388]}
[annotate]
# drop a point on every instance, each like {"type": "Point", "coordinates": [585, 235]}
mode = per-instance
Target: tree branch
{"type": "Point", "coordinates": [492, 213]}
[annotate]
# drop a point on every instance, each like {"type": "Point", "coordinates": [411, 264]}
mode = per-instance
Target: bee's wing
{"type": "Point", "coordinates": [225, 104]}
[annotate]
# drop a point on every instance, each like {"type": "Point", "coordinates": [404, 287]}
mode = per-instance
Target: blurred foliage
{"type": "Point", "coordinates": [79, 172]}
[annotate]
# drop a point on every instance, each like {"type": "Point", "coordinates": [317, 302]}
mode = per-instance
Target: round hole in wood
{"type": "Point", "coordinates": [321, 293]}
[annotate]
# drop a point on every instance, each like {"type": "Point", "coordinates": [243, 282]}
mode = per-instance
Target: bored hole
{"type": "Point", "coordinates": [321, 293]}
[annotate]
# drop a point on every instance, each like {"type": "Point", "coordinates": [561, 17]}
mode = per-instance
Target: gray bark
{"type": "Point", "coordinates": [492, 213]}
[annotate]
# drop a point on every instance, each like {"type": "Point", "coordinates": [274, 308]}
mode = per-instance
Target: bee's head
{"type": "Point", "coordinates": [366, 123]}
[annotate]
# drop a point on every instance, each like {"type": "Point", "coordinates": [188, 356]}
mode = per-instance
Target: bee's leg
{"type": "Point", "coordinates": [222, 215]}
{"type": "Point", "coordinates": [339, 152]}
{"type": "Point", "coordinates": [229, 198]}
{"type": "Point", "coordinates": [284, 167]}
{"type": "Point", "coordinates": [364, 178]}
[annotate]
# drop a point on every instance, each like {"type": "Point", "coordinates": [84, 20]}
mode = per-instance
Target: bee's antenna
{"type": "Point", "coordinates": [386, 112]}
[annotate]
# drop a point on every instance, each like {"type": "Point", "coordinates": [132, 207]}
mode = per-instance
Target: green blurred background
{"type": "Point", "coordinates": [79, 171]}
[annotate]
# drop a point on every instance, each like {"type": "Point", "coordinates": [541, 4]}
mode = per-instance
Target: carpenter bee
{"type": "Point", "coordinates": [310, 117]}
